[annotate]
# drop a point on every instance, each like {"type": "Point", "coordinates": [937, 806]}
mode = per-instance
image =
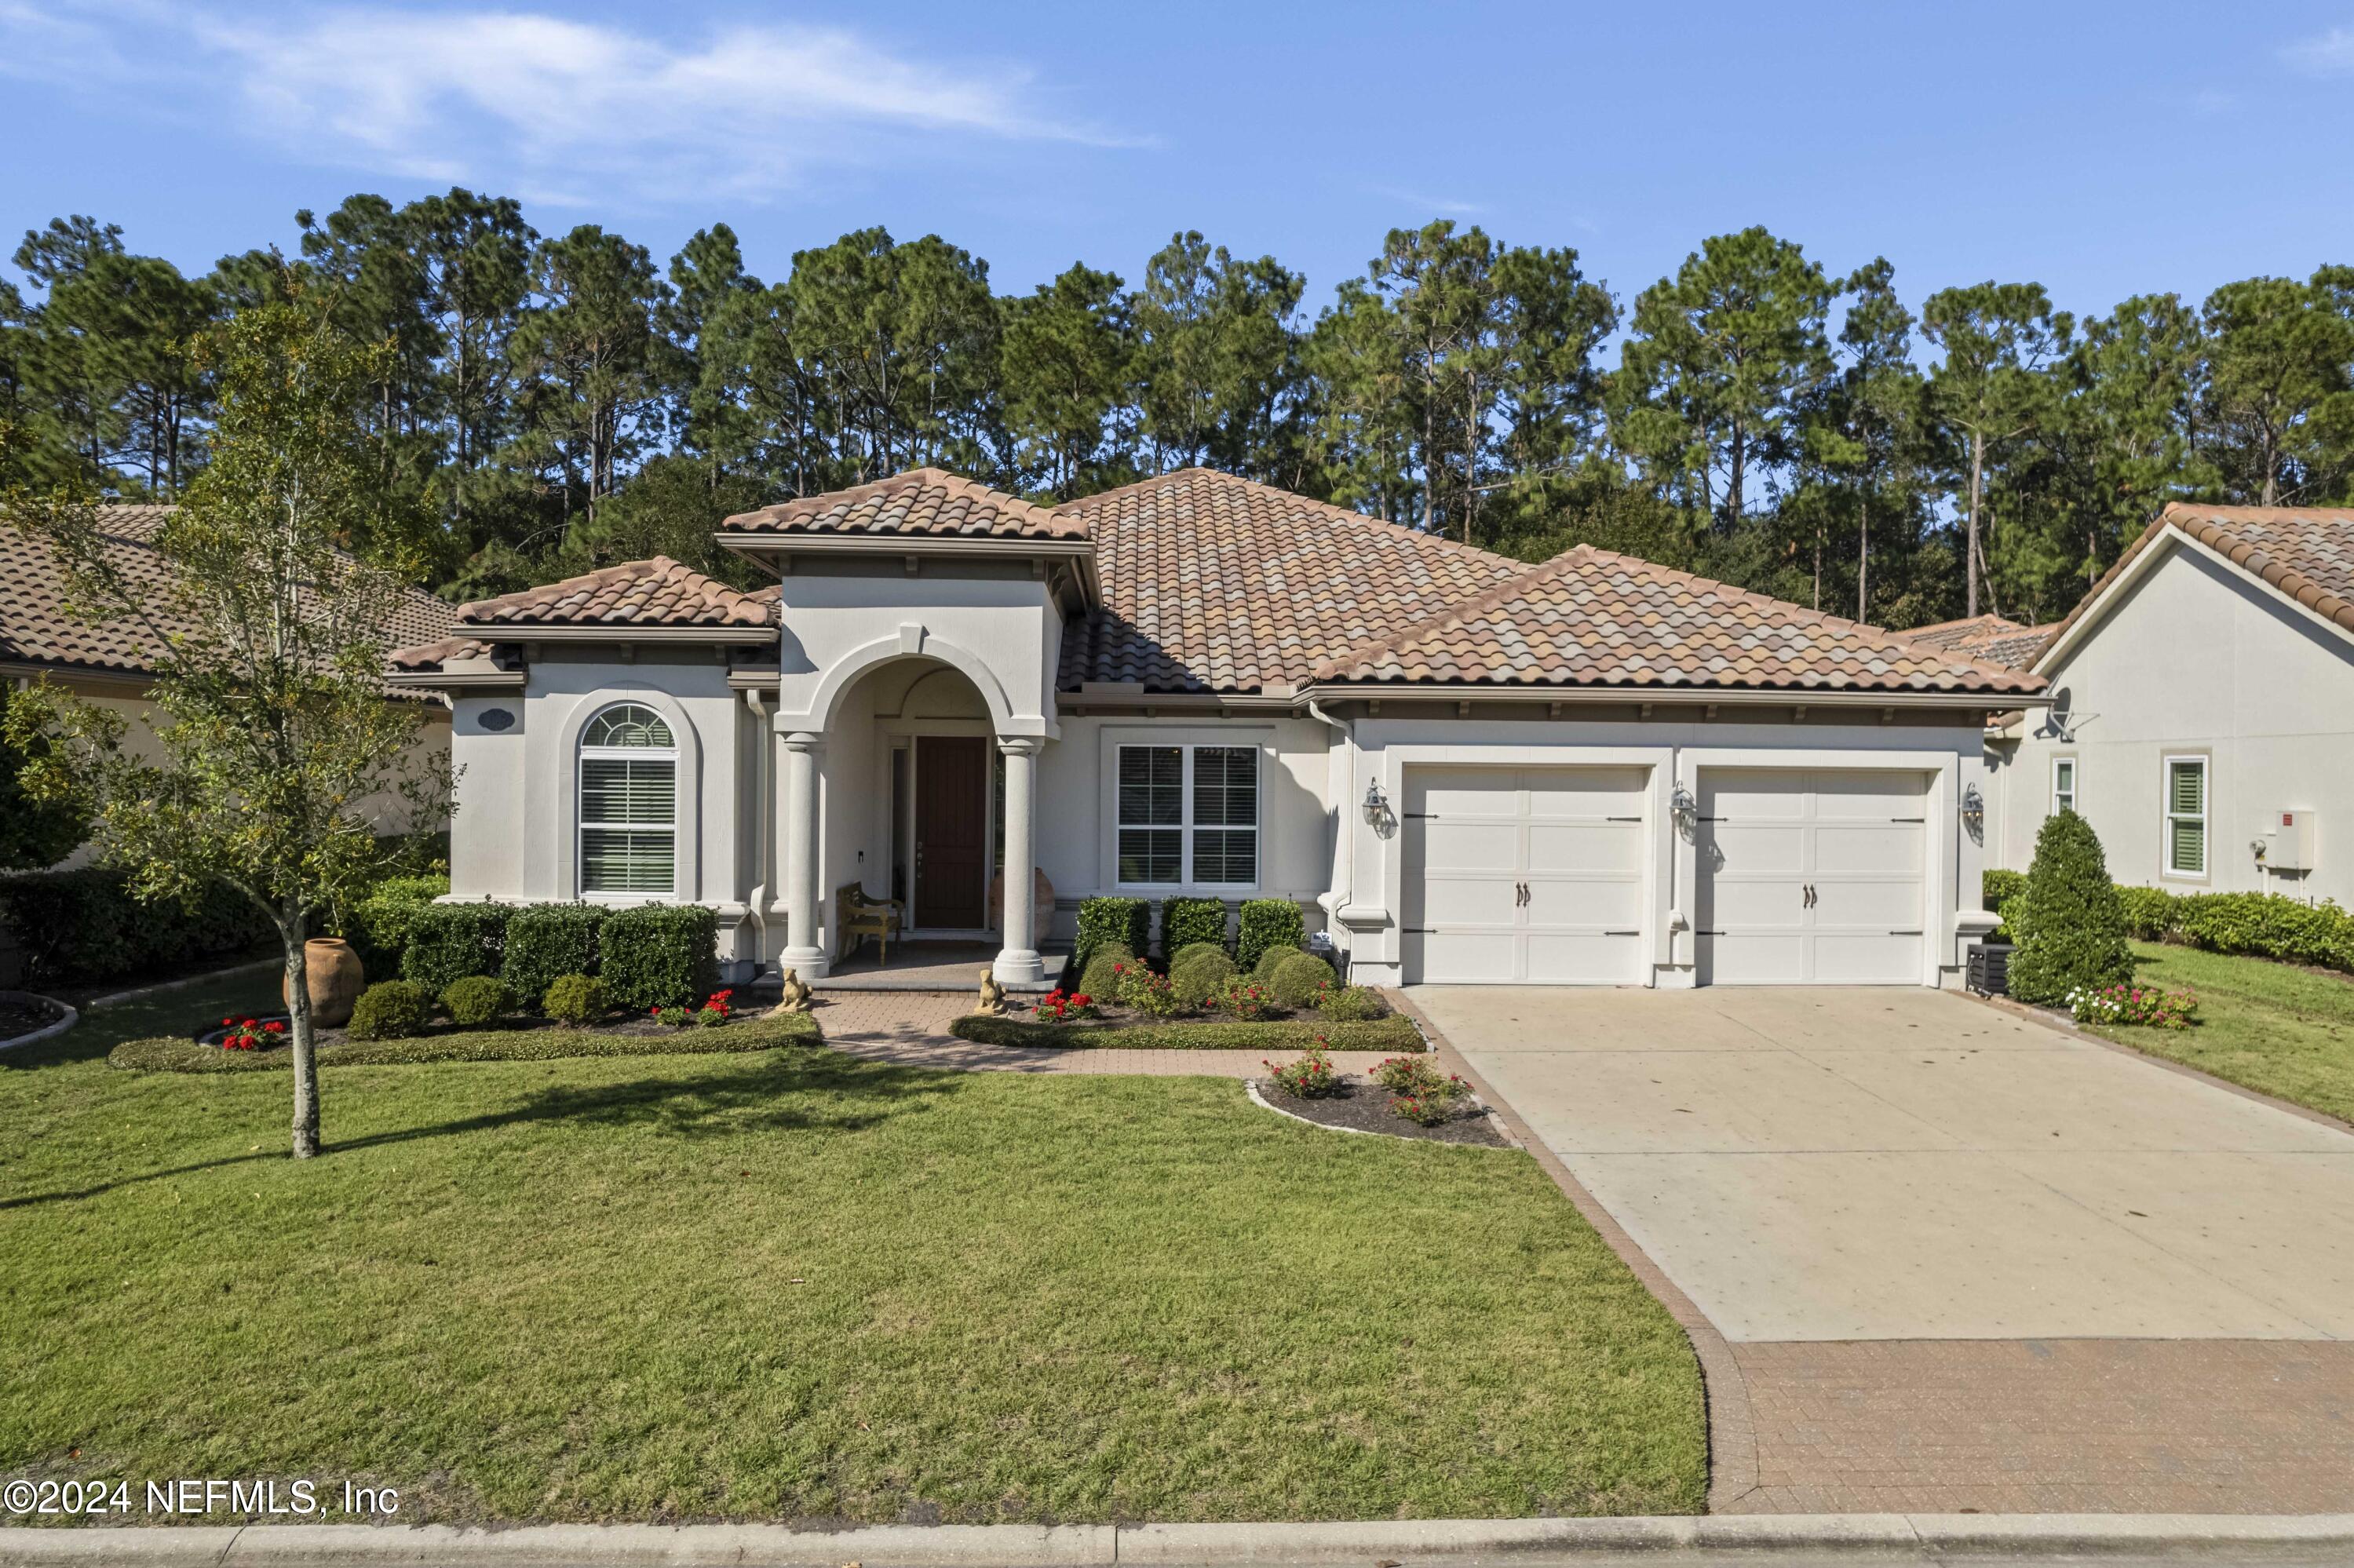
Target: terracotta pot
{"type": "Point", "coordinates": [1042, 904]}
{"type": "Point", "coordinates": [335, 978]}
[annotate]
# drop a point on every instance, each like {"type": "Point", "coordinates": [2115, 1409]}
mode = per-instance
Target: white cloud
{"type": "Point", "coordinates": [556, 108]}
{"type": "Point", "coordinates": [2325, 54]}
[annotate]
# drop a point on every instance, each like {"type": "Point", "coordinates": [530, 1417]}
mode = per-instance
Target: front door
{"type": "Point", "coordinates": [951, 831]}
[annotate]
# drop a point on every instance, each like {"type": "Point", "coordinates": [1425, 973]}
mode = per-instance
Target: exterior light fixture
{"type": "Point", "coordinates": [1973, 808]}
{"type": "Point", "coordinates": [1376, 808]}
{"type": "Point", "coordinates": [1683, 807]}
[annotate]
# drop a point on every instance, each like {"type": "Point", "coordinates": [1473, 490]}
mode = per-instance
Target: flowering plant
{"type": "Point", "coordinates": [676, 1015]}
{"type": "Point", "coordinates": [1060, 1006]}
{"type": "Point", "coordinates": [1431, 1100]}
{"type": "Point", "coordinates": [1245, 998]}
{"type": "Point", "coordinates": [2140, 1004]}
{"type": "Point", "coordinates": [1310, 1075]}
{"type": "Point", "coordinates": [247, 1035]}
{"type": "Point", "coordinates": [716, 1008]}
{"type": "Point", "coordinates": [1407, 1075]}
{"type": "Point", "coordinates": [1150, 994]}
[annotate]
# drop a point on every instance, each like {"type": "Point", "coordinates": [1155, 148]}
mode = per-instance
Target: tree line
{"type": "Point", "coordinates": [550, 403]}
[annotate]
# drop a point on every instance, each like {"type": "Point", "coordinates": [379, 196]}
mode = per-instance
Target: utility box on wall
{"type": "Point", "coordinates": [2285, 841]}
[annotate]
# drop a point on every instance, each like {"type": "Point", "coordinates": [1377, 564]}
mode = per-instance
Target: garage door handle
{"type": "Point", "coordinates": [1911, 933]}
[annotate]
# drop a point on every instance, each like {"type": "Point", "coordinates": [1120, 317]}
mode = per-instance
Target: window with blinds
{"type": "Point", "coordinates": [2186, 816]}
{"type": "Point", "coordinates": [2063, 784]}
{"type": "Point", "coordinates": [629, 805]}
{"type": "Point", "coordinates": [1188, 815]}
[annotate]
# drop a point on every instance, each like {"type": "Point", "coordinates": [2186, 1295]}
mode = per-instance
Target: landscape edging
{"type": "Point", "coordinates": [70, 1016]}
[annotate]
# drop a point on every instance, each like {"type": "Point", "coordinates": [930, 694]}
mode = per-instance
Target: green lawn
{"type": "Point", "coordinates": [2285, 1031]}
{"type": "Point", "coordinates": [791, 1285]}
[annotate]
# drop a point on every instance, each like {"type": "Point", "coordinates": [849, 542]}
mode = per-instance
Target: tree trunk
{"type": "Point", "coordinates": [1864, 560]}
{"type": "Point", "coordinates": [298, 1026]}
{"type": "Point", "coordinates": [1738, 453]}
{"type": "Point", "coordinates": [2272, 471]}
{"type": "Point", "coordinates": [1977, 482]}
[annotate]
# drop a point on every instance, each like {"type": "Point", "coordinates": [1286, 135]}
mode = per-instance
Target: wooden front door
{"type": "Point", "coordinates": [951, 831]}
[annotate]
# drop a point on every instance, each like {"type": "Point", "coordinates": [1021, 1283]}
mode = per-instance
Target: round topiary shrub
{"type": "Point", "coordinates": [475, 1000]}
{"type": "Point", "coordinates": [2068, 923]}
{"type": "Point", "coordinates": [391, 1010]}
{"type": "Point", "coordinates": [1097, 979]}
{"type": "Point", "coordinates": [574, 1000]}
{"type": "Point", "coordinates": [1264, 970]}
{"type": "Point", "coordinates": [1189, 950]}
{"type": "Point", "coordinates": [1201, 971]}
{"type": "Point", "coordinates": [1348, 1005]}
{"type": "Point", "coordinates": [1296, 979]}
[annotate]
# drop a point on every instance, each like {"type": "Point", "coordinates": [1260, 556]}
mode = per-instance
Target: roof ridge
{"type": "Point", "coordinates": [1332, 510]}
{"type": "Point", "coordinates": [1458, 612]}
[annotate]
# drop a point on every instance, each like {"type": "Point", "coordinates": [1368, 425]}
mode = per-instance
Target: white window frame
{"type": "Point", "coordinates": [583, 827]}
{"type": "Point", "coordinates": [2063, 798]}
{"type": "Point", "coordinates": [2169, 816]}
{"type": "Point", "coordinates": [1185, 826]}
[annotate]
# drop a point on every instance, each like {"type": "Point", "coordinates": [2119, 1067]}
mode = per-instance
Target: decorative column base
{"type": "Point", "coordinates": [1018, 966]}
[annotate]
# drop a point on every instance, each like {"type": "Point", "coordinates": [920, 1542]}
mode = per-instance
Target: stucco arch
{"type": "Point", "coordinates": [910, 643]}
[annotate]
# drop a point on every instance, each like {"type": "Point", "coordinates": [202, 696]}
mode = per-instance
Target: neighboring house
{"type": "Point", "coordinates": [110, 663]}
{"type": "Point", "coordinates": [1463, 768]}
{"type": "Point", "coordinates": [2201, 713]}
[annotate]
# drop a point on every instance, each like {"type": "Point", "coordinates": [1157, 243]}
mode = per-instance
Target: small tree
{"type": "Point", "coordinates": [33, 834]}
{"type": "Point", "coordinates": [275, 733]}
{"type": "Point", "coordinates": [2068, 922]}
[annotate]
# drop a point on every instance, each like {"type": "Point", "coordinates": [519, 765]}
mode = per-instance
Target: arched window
{"type": "Point", "coordinates": [629, 805]}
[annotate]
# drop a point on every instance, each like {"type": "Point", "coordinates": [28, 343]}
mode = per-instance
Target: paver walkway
{"type": "Point", "coordinates": [1943, 1258]}
{"type": "Point", "coordinates": [911, 1028]}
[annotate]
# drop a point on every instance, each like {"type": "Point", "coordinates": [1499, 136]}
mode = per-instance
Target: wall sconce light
{"type": "Point", "coordinates": [1972, 810]}
{"type": "Point", "coordinates": [1683, 807]}
{"type": "Point", "coordinates": [1377, 809]}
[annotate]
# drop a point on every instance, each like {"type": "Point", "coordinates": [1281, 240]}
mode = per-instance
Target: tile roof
{"type": "Point", "coordinates": [1990, 638]}
{"type": "Point", "coordinates": [433, 655]}
{"type": "Point", "coordinates": [926, 503]}
{"type": "Point", "coordinates": [35, 628]}
{"type": "Point", "coordinates": [653, 593]}
{"type": "Point", "coordinates": [1215, 583]}
{"type": "Point", "coordinates": [1591, 618]}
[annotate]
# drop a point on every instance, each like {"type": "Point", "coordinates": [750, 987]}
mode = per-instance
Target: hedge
{"type": "Point", "coordinates": [2252, 924]}
{"type": "Point", "coordinates": [1268, 923]}
{"type": "Point", "coordinates": [1396, 1034]}
{"type": "Point", "coordinates": [659, 955]}
{"type": "Point", "coordinates": [380, 923]}
{"type": "Point", "coordinates": [84, 927]}
{"type": "Point", "coordinates": [1186, 921]}
{"type": "Point", "coordinates": [545, 942]}
{"type": "Point", "coordinates": [1128, 921]}
{"type": "Point", "coordinates": [184, 1055]}
{"type": "Point", "coordinates": [446, 942]}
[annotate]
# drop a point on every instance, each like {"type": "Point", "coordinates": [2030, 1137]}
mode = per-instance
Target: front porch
{"type": "Point", "coordinates": [931, 965]}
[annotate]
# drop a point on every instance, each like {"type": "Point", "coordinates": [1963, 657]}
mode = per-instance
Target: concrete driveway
{"type": "Point", "coordinates": [1899, 1164]}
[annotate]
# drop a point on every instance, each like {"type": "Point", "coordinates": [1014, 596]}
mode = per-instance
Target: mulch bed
{"type": "Point", "coordinates": [22, 1017]}
{"type": "Point", "coordinates": [1362, 1105]}
{"type": "Point", "coordinates": [515, 1024]}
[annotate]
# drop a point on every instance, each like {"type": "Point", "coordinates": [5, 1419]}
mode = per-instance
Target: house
{"type": "Point", "coordinates": [2202, 708]}
{"type": "Point", "coordinates": [110, 663]}
{"type": "Point", "coordinates": [1463, 767]}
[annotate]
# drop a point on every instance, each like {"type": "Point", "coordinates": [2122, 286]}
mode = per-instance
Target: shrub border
{"type": "Point", "coordinates": [166, 1054]}
{"type": "Point", "coordinates": [1396, 1034]}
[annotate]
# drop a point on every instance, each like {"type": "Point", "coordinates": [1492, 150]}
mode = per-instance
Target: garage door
{"type": "Point", "coordinates": [1531, 875]}
{"type": "Point", "coordinates": [1810, 877]}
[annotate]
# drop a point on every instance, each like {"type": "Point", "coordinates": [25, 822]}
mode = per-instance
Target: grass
{"type": "Point", "coordinates": [178, 1054]}
{"type": "Point", "coordinates": [791, 1285]}
{"type": "Point", "coordinates": [2271, 1027]}
{"type": "Point", "coordinates": [1394, 1034]}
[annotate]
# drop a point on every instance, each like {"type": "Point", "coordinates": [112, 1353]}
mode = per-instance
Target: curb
{"type": "Point", "coordinates": [1879, 1538]}
{"type": "Point", "coordinates": [46, 1031]}
{"type": "Point", "coordinates": [184, 982]}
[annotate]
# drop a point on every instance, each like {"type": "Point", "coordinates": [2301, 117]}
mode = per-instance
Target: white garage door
{"type": "Point", "coordinates": [1810, 877]}
{"type": "Point", "coordinates": [1531, 875]}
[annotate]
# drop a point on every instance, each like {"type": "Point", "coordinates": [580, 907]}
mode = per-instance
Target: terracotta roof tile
{"type": "Point", "coordinates": [1990, 638]}
{"type": "Point", "coordinates": [925, 501]}
{"type": "Point", "coordinates": [1214, 583]}
{"type": "Point", "coordinates": [657, 592]}
{"type": "Point", "coordinates": [1591, 618]}
{"type": "Point", "coordinates": [433, 655]}
{"type": "Point", "coordinates": [35, 628]}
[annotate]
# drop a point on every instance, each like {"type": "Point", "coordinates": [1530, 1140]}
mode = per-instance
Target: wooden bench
{"type": "Point", "coordinates": [857, 917]}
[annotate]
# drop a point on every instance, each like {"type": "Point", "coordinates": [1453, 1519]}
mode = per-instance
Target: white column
{"type": "Point", "coordinates": [798, 854]}
{"type": "Point", "coordinates": [1019, 960]}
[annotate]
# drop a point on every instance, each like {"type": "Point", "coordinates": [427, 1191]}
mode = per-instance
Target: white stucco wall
{"type": "Point", "coordinates": [2194, 658]}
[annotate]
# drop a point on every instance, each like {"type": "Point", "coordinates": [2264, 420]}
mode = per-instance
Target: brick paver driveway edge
{"type": "Point", "coordinates": [1732, 1426]}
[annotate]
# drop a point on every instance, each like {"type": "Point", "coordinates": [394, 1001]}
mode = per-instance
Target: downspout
{"type": "Point", "coordinates": [1345, 867]}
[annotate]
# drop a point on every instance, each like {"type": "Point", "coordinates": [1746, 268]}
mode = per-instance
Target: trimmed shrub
{"type": "Point", "coordinates": [84, 927]}
{"type": "Point", "coordinates": [1997, 888]}
{"type": "Point", "coordinates": [1187, 922]}
{"type": "Point", "coordinates": [2149, 911]}
{"type": "Point", "coordinates": [1142, 990]}
{"type": "Point", "coordinates": [575, 999]}
{"type": "Point", "coordinates": [1264, 970]}
{"type": "Point", "coordinates": [2068, 924]}
{"type": "Point", "coordinates": [1295, 981]}
{"type": "Point", "coordinates": [1096, 980]}
{"type": "Point", "coordinates": [1127, 921]}
{"type": "Point", "coordinates": [1200, 972]}
{"type": "Point", "coordinates": [391, 1010]}
{"type": "Point", "coordinates": [182, 1055]}
{"type": "Point", "coordinates": [2267, 925]}
{"type": "Point", "coordinates": [446, 942]}
{"type": "Point", "coordinates": [1347, 1004]}
{"type": "Point", "coordinates": [547, 941]}
{"type": "Point", "coordinates": [1192, 949]}
{"type": "Point", "coordinates": [1268, 923]}
{"type": "Point", "coordinates": [475, 1000]}
{"type": "Point", "coordinates": [380, 924]}
{"type": "Point", "coordinates": [659, 955]}
{"type": "Point", "coordinates": [1394, 1034]}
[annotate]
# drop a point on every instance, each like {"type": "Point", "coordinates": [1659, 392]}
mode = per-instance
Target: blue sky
{"type": "Point", "coordinates": [2102, 149]}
